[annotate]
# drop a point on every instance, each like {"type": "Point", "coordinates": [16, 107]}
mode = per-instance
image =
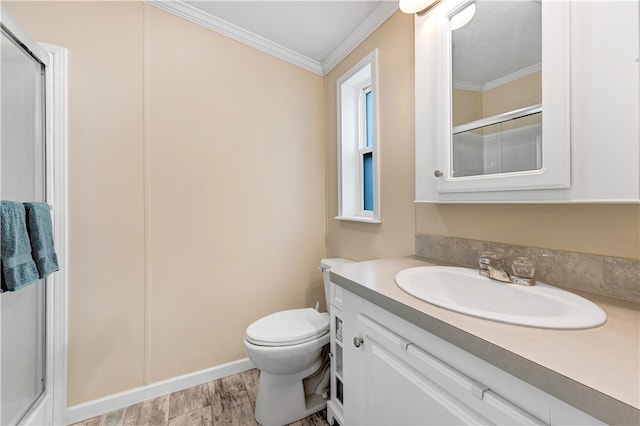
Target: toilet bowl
{"type": "Point", "coordinates": [289, 347]}
{"type": "Point", "coordinates": [285, 362]}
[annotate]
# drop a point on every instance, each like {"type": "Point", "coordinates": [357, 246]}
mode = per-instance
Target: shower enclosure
{"type": "Point", "coordinates": [23, 177]}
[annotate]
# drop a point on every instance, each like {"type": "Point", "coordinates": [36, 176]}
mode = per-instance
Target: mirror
{"type": "Point", "coordinates": [496, 92]}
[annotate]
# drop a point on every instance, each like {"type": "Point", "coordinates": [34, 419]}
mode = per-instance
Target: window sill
{"type": "Point", "coordinates": [358, 219]}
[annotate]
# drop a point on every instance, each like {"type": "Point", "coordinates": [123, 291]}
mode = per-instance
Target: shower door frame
{"type": "Point", "coordinates": [50, 407]}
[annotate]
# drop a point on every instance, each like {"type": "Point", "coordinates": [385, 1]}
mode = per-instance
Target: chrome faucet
{"type": "Point", "coordinates": [497, 269]}
{"type": "Point", "coordinates": [494, 268]}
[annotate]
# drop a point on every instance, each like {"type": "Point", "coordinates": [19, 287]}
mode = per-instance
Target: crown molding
{"type": "Point", "coordinates": [467, 85]}
{"type": "Point", "coordinates": [514, 76]}
{"type": "Point", "coordinates": [183, 10]}
{"type": "Point", "coordinates": [479, 87]}
{"type": "Point", "coordinates": [377, 16]}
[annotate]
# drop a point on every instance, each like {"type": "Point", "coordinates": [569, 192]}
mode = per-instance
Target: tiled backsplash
{"type": "Point", "coordinates": [609, 276]}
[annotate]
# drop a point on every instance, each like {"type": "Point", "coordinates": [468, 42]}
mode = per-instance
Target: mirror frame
{"type": "Point", "coordinates": [434, 102]}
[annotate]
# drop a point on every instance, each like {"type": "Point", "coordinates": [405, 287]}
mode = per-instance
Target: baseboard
{"type": "Point", "coordinates": [113, 402]}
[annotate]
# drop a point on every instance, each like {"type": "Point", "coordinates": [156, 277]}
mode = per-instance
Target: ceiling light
{"type": "Point", "coordinates": [419, 7]}
{"type": "Point", "coordinates": [463, 17]}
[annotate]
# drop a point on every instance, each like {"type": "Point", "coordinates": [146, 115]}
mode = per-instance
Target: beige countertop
{"type": "Point", "coordinates": [596, 370]}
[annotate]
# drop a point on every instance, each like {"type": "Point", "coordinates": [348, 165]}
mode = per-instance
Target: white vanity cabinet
{"type": "Point", "coordinates": [396, 373]}
{"type": "Point", "coordinates": [589, 144]}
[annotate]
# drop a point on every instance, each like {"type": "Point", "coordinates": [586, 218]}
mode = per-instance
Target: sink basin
{"type": "Point", "coordinates": [465, 291]}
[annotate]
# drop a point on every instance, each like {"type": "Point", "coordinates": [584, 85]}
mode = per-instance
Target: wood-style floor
{"type": "Point", "coordinates": [227, 401]}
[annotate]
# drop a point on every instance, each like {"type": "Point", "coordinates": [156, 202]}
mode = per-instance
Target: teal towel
{"type": "Point", "coordinates": [41, 236]}
{"type": "Point", "coordinates": [18, 267]}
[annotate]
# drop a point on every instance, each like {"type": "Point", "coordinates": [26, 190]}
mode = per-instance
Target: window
{"type": "Point", "coordinates": [358, 171]}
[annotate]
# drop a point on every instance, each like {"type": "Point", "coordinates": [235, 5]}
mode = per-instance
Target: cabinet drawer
{"type": "Point", "coordinates": [443, 386]}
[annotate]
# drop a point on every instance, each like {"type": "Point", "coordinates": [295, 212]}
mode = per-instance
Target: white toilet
{"type": "Point", "coordinates": [288, 347]}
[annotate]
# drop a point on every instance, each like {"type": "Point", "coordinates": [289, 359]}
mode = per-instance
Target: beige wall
{"type": "Point", "coordinates": [466, 106]}
{"type": "Point", "coordinates": [395, 235]}
{"type": "Point", "coordinates": [520, 93]}
{"type": "Point", "coordinates": [196, 191]}
{"type": "Point", "coordinates": [236, 150]}
{"type": "Point", "coordinates": [471, 105]}
{"type": "Point", "coordinates": [602, 229]}
{"type": "Point", "coordinates": [515, 94]}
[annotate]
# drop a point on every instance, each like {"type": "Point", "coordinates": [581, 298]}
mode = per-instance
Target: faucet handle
{"type": "Point", "coordinates": [487, 258]}
{"type": "Point", "coordinates": [523, 267]}
{"type": "Point", "coordinates": [490, 259]}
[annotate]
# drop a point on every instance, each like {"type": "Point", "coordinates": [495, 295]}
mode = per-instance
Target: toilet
{"type": "Point", "coordinates": [290, 348]}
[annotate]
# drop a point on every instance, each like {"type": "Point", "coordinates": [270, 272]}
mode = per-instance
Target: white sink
{"type": "Point", "coordinates": [465, 291]}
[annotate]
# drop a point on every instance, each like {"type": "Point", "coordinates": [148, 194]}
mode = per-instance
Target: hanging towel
{"type": "Point", "coordinates": [41, 237]}
{"type": "Point", "coordinates": [18, 267]}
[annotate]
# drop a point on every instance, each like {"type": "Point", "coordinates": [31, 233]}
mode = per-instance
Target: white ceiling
{"type": "Point", "coordinates": [314, 34]}
{"type": "Point", "coordinates": [504, 38]}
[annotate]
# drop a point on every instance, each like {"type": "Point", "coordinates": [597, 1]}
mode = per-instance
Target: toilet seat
{"type": "Point", "coordinates": [290, 327]}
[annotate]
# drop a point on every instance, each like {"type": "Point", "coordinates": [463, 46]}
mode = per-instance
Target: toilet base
{"type": "Point", "coordinates": [281, 398]}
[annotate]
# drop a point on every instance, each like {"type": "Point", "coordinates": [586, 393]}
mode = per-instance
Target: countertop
{"type": "Point", "coordinates": [596, 370]}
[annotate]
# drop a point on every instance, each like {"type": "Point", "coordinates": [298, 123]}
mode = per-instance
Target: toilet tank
{"type": "Point", "coordinates": [325, 265]}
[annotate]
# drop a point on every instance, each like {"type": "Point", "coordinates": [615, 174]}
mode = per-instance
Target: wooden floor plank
{"type": "Point", "coordinates": [235, 399]}
{"type": "Point", "coordinates": [216, 410]}
{"type": "Point", "coordinates": [317, 419]}
{"type": "Point", "coordinates": [233, 384]}
{"type": "Point", "coordinates": [94, 421]}
{"type": "Point", "coordinates": [251, 378]}
{"type": "Point", "coordinates": [221, 410]}
{"type": "Point", "coordinates": [199, 417]}
{"type": "Point", "coordinates": [188, 400]}
{"type": "Point", "coordinates": [133, 415]}
{"type": "Point", "coordinates": [244, 413]}
{"type": "Point", "coordinates": [154, 412]}
{"type": "Point", "coordinates": [114, 418]}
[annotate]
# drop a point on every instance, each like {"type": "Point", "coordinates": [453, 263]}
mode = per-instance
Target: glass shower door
{"type": "Point", "coordinates": [22, 178]}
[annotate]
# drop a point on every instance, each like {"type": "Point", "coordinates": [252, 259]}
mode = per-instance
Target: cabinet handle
{"type": "Point", "coordinates": [438, 173]}
{"type": "Point", "coordinates": [357, 341]}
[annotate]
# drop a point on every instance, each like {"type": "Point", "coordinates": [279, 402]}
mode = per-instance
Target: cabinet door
{"type": "Point", "coordinates": [403, 384]}
{"type": "Point", "coordinates": [478, 141]}
{"type": "Point", "coordinates": [590, 102]}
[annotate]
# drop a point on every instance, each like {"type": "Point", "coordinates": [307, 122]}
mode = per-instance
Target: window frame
{"type": "Point", "coordinates": [364, 148]}
{"type": "Point", "coordinates": [352, 132]}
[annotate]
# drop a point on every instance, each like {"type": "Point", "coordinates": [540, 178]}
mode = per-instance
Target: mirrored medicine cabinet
{"type": "Point", "coordinates": [492, 98]}
{"type": "Point", "coordinates": [496, 88]}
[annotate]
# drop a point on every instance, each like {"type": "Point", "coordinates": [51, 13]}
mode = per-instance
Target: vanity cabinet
{"type": "Point", "coordinates": [583, 145]}
{"type": "Point", "coordinates": [396, 373]}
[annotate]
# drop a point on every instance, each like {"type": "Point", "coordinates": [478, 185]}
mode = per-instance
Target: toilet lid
{"type": "Point", "coordinates": [288, 327]}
